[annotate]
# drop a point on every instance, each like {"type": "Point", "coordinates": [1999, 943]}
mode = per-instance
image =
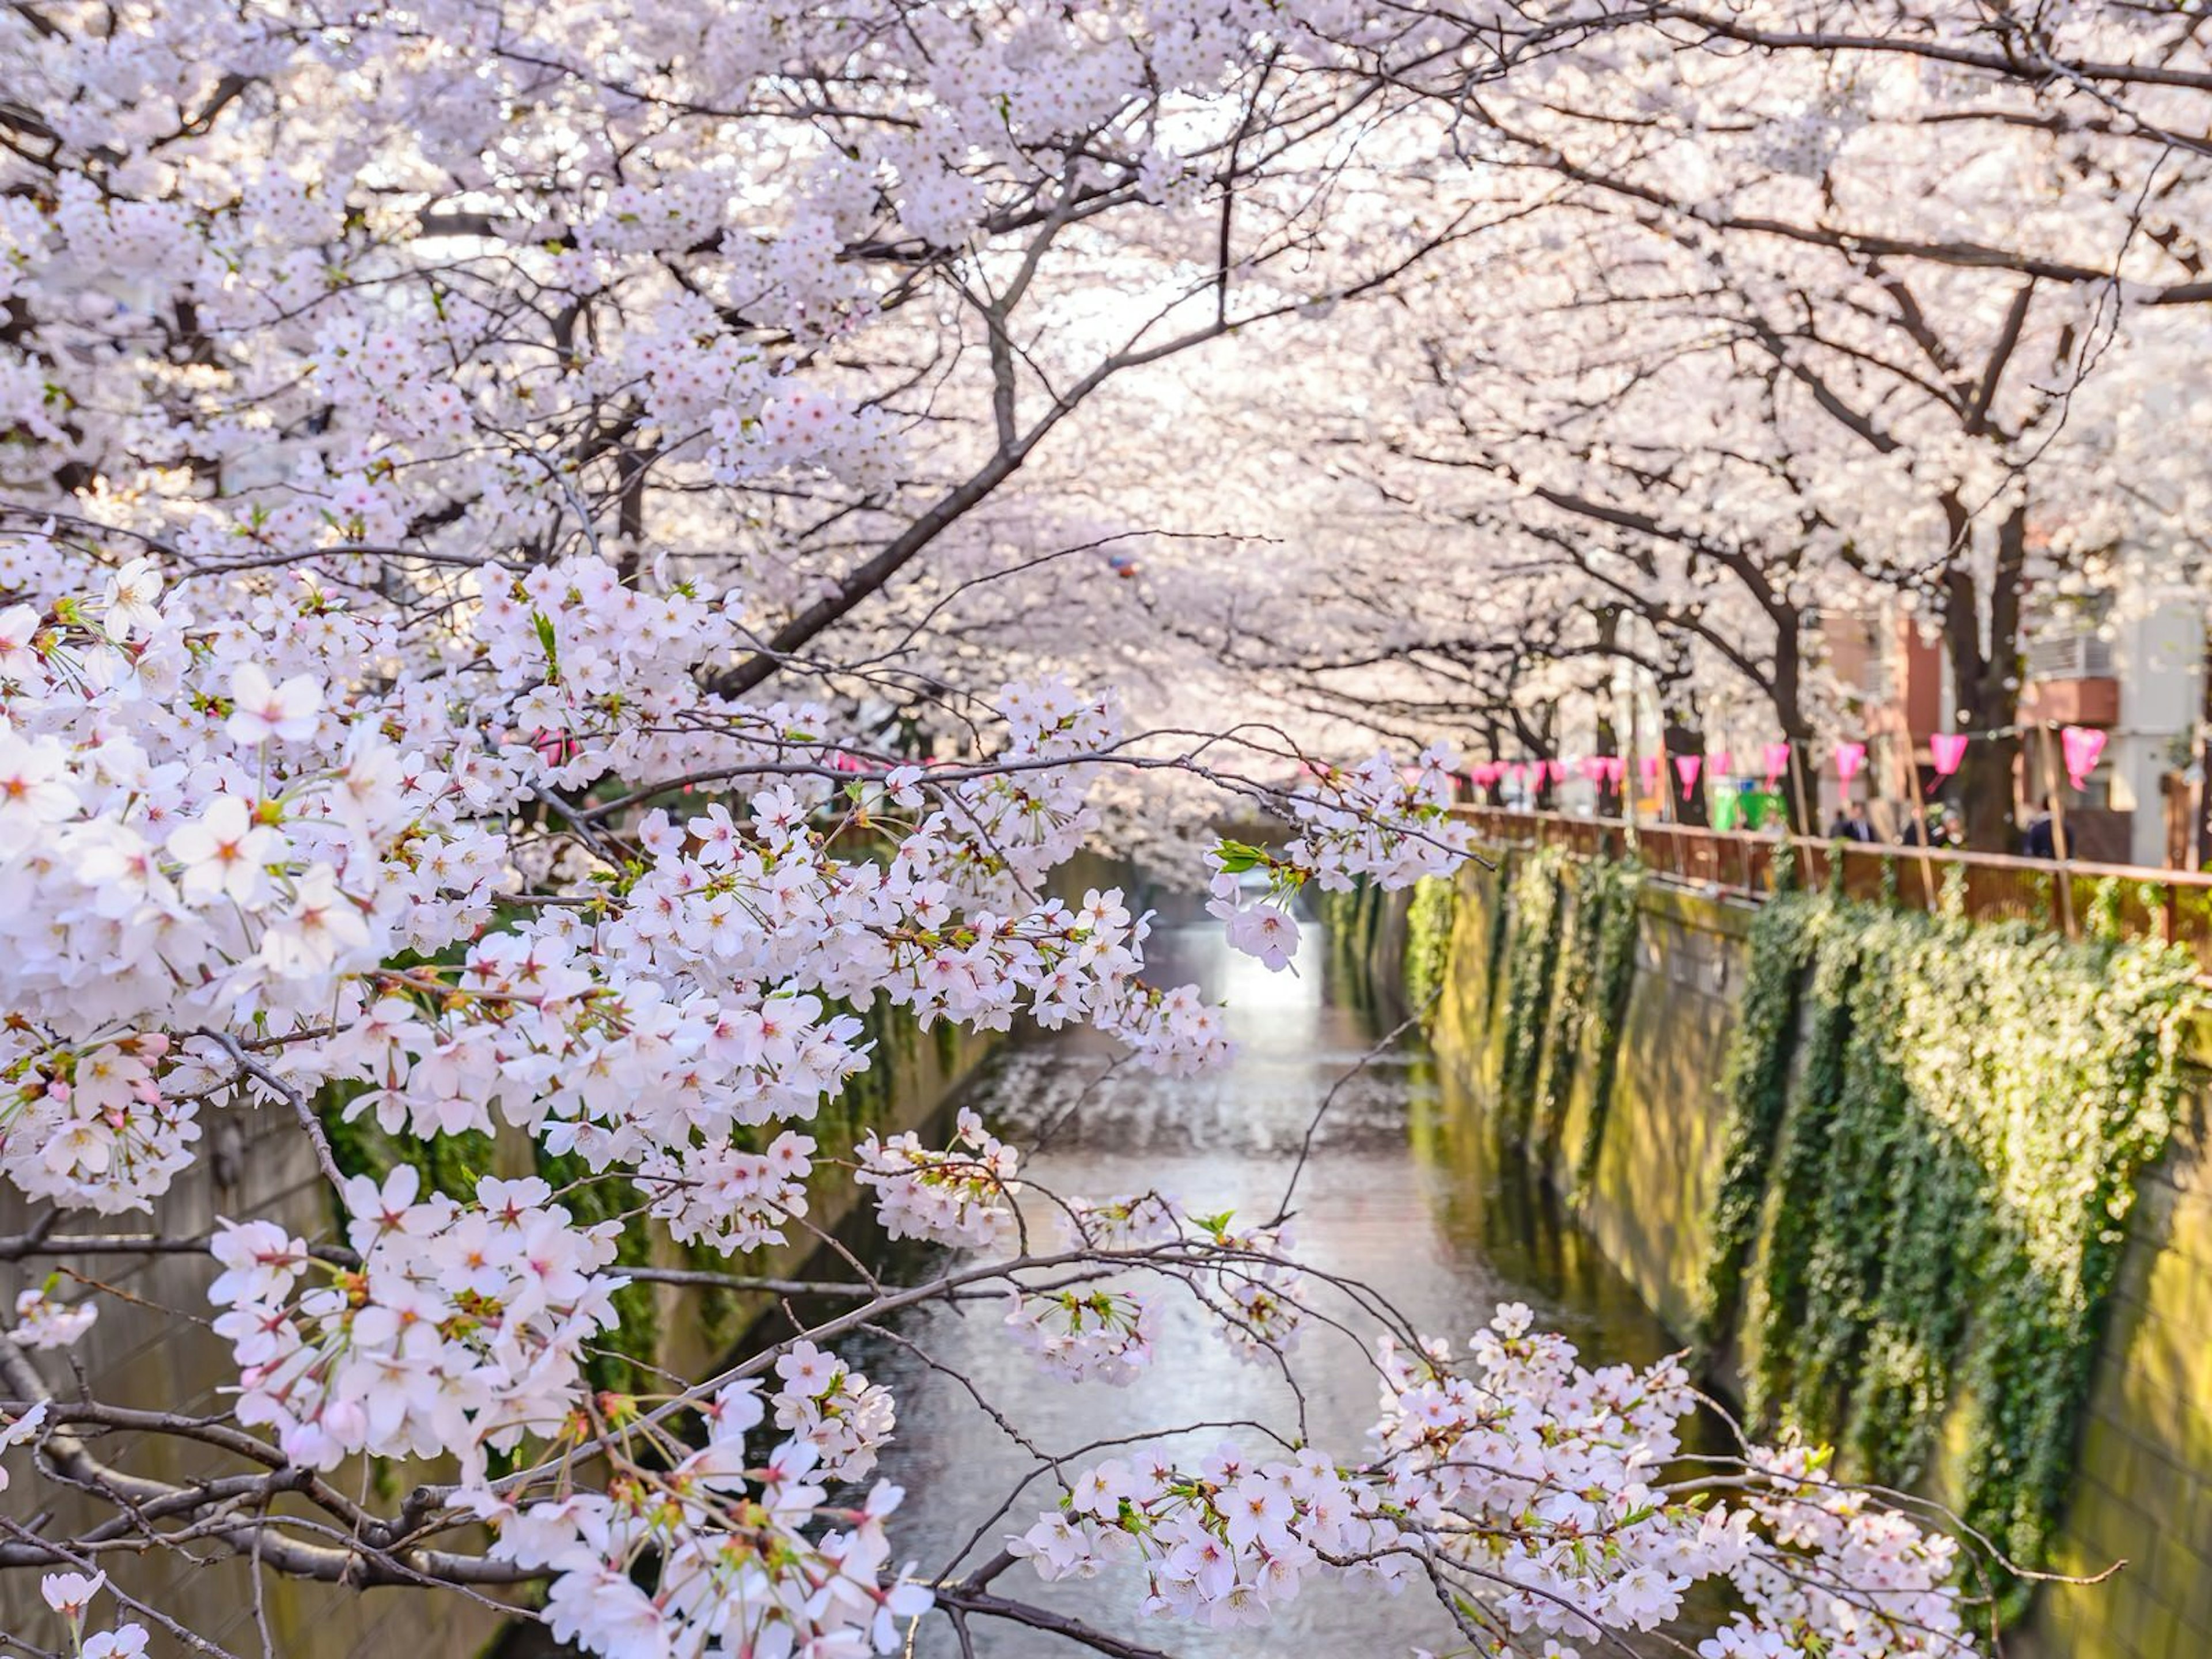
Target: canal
{"type": "Point", "coordinates": [1402, 1191]}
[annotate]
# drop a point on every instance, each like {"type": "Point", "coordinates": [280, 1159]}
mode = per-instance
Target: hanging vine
{"type": "Point", "coordinates": [1945, 1194]}
{"type": "Point", "coordinates": [1565, 1026]}
{"type": "Point", "coordinates": [1754, 1087]}
{"type": "Point", "coordinates": [1559, 962]}
{"type": "Point", "coordinates": [1618, 886]}
{"type": "Point", "coordinates": [1531, 961]}
{"type": "Point", "coordinates": [1428, 917]}
{"type": "Point", "coordinates": [1500, 930]}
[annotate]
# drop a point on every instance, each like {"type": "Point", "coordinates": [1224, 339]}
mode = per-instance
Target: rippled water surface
{"type": "Point", "coordinates": [1400, 1192]}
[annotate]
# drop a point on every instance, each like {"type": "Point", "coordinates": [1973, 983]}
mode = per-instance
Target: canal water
{"type": "Point", "coordinates": [1403, 1190]}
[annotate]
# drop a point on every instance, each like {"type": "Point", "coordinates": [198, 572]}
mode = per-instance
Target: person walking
{"type": "Point", "coordinates": [1851, 824]}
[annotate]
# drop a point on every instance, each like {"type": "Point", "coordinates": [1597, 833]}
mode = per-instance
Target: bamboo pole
{"type": "Point", "coordinates": [2193, 855]}
{"type": "Point", "coordinates": [1811, 825]}
{"type": "Point", "coordinates": [1920, 819]}
{"type": "Point", "coordinates": [1628, 766]}
{"type": "Point", "coordinates": [2054, 795]}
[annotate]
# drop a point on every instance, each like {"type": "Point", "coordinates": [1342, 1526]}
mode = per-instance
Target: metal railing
{"type": "Point", "coordinates": [2174, 905]}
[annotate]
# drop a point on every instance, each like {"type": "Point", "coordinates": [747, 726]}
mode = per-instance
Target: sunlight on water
{"type": "Point", "coordinates": [1246, 986]}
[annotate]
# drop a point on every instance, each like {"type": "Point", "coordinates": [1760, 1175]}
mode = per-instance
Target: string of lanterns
{"type": "Point", "coordinates": [2080, 747]}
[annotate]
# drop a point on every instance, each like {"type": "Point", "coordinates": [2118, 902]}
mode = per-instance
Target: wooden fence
{"type": "Point", "coordinates": [2065, 894]}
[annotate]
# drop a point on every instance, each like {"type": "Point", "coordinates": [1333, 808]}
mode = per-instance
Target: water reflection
{"type": "Point", "coordinates": [1398, 1194]}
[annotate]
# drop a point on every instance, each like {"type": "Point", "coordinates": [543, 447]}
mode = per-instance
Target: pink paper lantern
{"type": "Point", "coordinates": [1593, 768]}
{"type": "Point", "coordinates": [1556, 771]}
{"type": "Point", "coordinates": [1686, 768]}
{"type": "Point", "coordinates": [1947, 749]}
{"type": "Point", "coordinates": [1777, 756]}
{"type": "Point", "coordinates": [1720, 764]}
{"type": "Point", "coordinates": [1648, 766]}
{"type": "Point", "coordinates": [1616, 769]}
{"type": "Point", "coordinates": [1517, 770]}
{"type": "Point", "coordinates": [2082, 745]}
{"type": "Point", "coordinates": [1849, 758]}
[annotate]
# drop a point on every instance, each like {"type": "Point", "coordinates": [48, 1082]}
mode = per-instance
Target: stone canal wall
{"type": "Point", "coordinates": [1646, 1178]}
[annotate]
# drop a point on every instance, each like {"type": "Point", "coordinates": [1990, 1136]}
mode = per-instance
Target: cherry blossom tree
{"type": "Point", "coordinates": [507, 630]}
{"type": "Point", "coordinates": [1803, 321]}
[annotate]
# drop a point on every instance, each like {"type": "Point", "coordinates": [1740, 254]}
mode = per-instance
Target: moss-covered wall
{"type": "Point", "coordinates": [1646, 1187]}
{"type": "Point", "coordinates": [1647, 1193]}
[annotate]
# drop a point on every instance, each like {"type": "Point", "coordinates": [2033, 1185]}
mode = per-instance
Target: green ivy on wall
{"type": "Point", "coordinates": [1532, 960]}
{"type": "Point", "coordinates": [1924, 1239]}
{"type": "Point", "coordinates": [1933, 1134]}
{"type": "Point", "coordinates": [1346, 919]}
{"type": "Point", "coordinates": [1561, 961]}
{"type": "Point", "coordinates": [1429, 916]}
{"type": "Point", "coordinates": [1610, 891]}
{"type": "Point", "coordinates": [1494, 940]}
{"type": "Point", "coordinates": [1755, 1085]}
{"type": "Point", "coordinates": [1573, 977]}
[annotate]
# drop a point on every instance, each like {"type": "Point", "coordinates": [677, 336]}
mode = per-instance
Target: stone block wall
{"type": "Point", "coordinates": [2144, 1484]}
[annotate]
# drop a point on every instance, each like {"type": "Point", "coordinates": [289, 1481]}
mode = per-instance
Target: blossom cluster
{"type": "Point", "coordinates": [1129, 1222]}
{"type": "Point", "coordinates": [1378, 820]}
{"type": "Point", "coordinates": [91, 1129]}
{"type": "Point", "coordinates": [1538, 1492]}
{"type": "Point", "coordinates": [1252, 1285]}
{"type": "Point", "coordinates": [1083, 1333]}
{"type": "Point", "coordinates": [960, 1197]}
{"type": "Point", "coordinates": [825, 1401]}
{"type": "Point", "coordinates": [228, 833]}
{"type": "Point", "coordinates": [721, 1544]}
{"type": "Point", "coordinates": [71, 1595]}
{"type": "Point", "coordinates": [1890, 1587]}
{"type": "Point", "coordinates": [463, 1328]}
{"type": "Point", "coordinates": [43, 1321]}
{"type": "Point", "coordinates": [1225, 1543]}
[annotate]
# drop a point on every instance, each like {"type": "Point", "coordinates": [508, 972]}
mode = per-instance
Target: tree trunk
{"type": "Point", "coordinates": [1608, 735]}
{"type": "Point", "coordinates": [1985, 785]}
{"type": "Point", "coordinates": [1684, 738]}
{"type": "Point", "coordinates": [1537, 740]}
{"type": "Point", "coordinates": [1608, 743]}
{"type": "Point", "coordinates": [1789, 698]}
{"type": "Point", "coordinates": [1986, 681]}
